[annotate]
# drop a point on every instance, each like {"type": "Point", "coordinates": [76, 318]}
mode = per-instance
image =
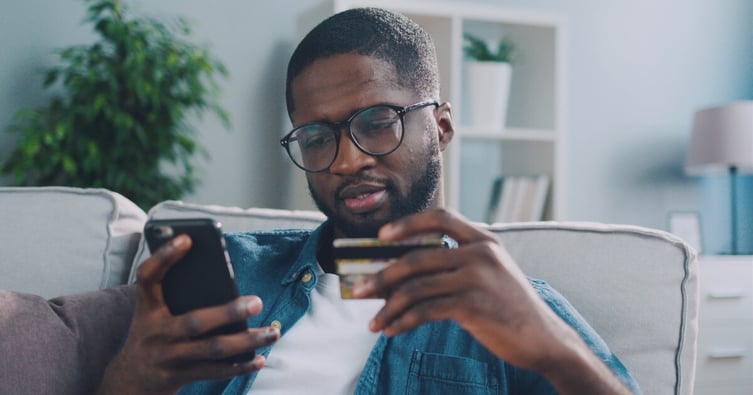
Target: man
{"type": "Point", "coordinates": [361, 94]}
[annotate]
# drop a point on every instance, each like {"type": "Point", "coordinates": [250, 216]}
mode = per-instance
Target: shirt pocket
{"type": "Point", "coordinates": [446, 374]}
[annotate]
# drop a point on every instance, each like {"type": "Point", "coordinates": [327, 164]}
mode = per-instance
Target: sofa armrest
{"type": "Point", "coordinates": [637, 287]}
{"type": "Point", "coordinates": [64, 240]}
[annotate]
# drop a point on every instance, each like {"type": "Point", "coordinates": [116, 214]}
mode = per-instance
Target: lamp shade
{"type": "Point", "coordinates": [722, 138]}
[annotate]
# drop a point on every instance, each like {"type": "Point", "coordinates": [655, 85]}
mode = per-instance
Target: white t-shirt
{"type": "Point", "coordinates": [325, 351]}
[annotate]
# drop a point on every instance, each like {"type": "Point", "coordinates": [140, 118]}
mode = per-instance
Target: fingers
{"type": "Point", "coordinates": [421, 287]}
{"type": "Point", "coordinates": [411, 264]}
{"type": "Point", "coordinates": [150, 274]}
{"type": "Point", "coordinates": [182, 352]}
{"type": "Point", "coordinates": [167, 378]}
{"type": "Point", "coordinates": [439, 284]}
{"type": "Point", "coordinates": [218, 348]}
{"type": "Point", "coordinates": [204, 357]}
{"type": "Point", "coordinates": [426, 262]}
{"type": "Point", "coordinates": [219, 370]}
{"type": "Point", "coordinates": [198, 322]}
{"type": "Point", "coordinates": [436, 309]}
{"type": "Point", "coordinates": [416, 301]}
{"type": "Point", "coordinates": [412, 285]}
{"type": "Point", "coordinates": [180, 349]}
{"type": "Point", "coordinates": [439, 220]}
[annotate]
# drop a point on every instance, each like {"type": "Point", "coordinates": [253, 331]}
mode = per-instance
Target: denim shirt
{"type": "Point", "coordinates": [435, 358]}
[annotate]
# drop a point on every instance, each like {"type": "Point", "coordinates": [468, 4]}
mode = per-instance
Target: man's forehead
{"type": "Point", "coordinates": [342, 68]}
{"type": "Point", "coordinates": [351, 78]}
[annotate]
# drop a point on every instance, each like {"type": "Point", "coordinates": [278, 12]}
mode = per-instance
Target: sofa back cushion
{"type": "Point", "coordinates": [637, 287]}
{"type": "Point", "coordinates": [233, 219]}
{"type": "Point", "coordinates": [61, 240]}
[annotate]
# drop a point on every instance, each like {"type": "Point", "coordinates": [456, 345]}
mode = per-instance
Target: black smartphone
{"type": "Point", "coordinates": [204, 276]}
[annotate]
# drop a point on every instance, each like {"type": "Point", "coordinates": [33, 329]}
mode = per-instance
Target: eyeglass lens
{"type": "Point", "coordinates": [376, 130]}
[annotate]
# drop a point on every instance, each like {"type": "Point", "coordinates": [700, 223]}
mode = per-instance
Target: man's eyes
{"type": "Point", "coordinates": [317, 140]}
{"type": "Point", "coordinates": [376, 125]}
{"type": "Point", "coordinates": [385, 123]}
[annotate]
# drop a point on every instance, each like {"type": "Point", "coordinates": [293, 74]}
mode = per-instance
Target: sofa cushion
{"type": "Point", "coordinates": [63, 345]}
{"type": "Point", "coordinates": [233, 219]}
{"type": "Point", "coordinates": [69, 240]}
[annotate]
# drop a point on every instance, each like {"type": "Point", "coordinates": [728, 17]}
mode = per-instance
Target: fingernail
{"type": "Point", "coordinates": [362, 287]}
{"type": "Point", "coordinates": [373, 325]}
{"type": "Point", "coordinates": [388, 230]}
{"type": "Point", "coordinates": [178, 241]}
{"type": "Point", "coordinates": [250, 304]}
{"type": "Point", "coordinates": [272, 334]}
{"type": "Point", "coordinates": [258, 362]}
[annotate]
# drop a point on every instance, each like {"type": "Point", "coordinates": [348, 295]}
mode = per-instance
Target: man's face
{"type": "Point", "coordinates": [360, 192]}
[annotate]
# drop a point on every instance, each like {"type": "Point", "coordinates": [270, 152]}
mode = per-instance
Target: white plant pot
{"type": "Point", "coordinates": [487, 88]}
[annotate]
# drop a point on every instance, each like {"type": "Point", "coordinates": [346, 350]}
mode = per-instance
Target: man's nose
{"type": "Point", "coordinates": [350, 159]}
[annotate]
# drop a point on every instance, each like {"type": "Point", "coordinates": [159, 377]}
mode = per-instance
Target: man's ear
{"type": "Point", "coordinates": [445, 126]}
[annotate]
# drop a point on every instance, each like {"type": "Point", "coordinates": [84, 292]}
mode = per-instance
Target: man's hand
{"type": "Point", "coordinates": [162, 352]}
{"type": "Point", "coordinates": [479, 286]}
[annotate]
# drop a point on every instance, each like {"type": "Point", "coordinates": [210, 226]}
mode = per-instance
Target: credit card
{"type": "Point", "coordinates": [358, 257]}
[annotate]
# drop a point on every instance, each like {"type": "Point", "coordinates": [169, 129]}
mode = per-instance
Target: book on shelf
{"type": "Point", "coordinates": [492, 210]}
{"type": "Point", "coordinates": [541, 190]}
{"type": "Point", "coordinates": [501, 199]}
{"type": "Point", "coordinates": [518, 198]}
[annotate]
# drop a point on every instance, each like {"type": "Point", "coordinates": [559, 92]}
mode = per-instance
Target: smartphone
{"type": "Point", "coordinates": [204, 276]}
{"type": "Point", "coordinates": [358, 257]}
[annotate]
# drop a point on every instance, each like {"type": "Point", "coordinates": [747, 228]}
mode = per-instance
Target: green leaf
{"type": "Point", "coordinates": [30, 148]}
{"type": "Point", "coordinates": [99, 102]}
{"type": "Point", "coordinates": [69, 166]}
{"type": "Point", "coordinates": [50, 77]}
{"type": "Point", "coordinates": [478, 49]}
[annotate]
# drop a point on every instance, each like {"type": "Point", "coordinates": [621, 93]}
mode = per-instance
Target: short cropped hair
{"type": "Point", "coordinates": [375, 32]}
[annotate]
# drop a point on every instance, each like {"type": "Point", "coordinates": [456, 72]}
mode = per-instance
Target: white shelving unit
{"type": "Point", "coordinates": [532, 141]}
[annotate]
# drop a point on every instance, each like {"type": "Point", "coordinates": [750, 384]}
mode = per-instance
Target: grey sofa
{"type": "Point", "coordinates": [66, 253]}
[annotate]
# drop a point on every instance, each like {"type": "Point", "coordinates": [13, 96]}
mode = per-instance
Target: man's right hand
{"type": "Point", "coordinates": [162, 352]}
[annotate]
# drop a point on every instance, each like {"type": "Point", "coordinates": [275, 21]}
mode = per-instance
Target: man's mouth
{"type": "Point", "coordinates": [363, 198]}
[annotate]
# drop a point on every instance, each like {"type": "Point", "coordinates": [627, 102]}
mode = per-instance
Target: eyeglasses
{"type": "Point", "coordinates": [376, 130]}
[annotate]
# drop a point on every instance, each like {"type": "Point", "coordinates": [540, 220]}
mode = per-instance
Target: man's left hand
{"type": "Point", "coordinates": [478, 285]}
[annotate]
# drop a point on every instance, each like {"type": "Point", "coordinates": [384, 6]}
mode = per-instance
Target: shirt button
{"type": "Point", "coordinates": [276, 324]}
{"type": "Point", "coordinates": [307, 277]}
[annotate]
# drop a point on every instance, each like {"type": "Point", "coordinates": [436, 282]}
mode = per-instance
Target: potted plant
{"type": "Point", "coordinates": [487, 81]}
{"type": "Point", "coordinates": [117, 117]}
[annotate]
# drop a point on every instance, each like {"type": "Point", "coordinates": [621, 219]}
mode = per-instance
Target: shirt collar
{"type": "Point", "coordinates": [307, 260]}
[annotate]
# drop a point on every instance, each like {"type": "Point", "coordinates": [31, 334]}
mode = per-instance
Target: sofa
{"type": "Point", "coordinates": [67, 254]}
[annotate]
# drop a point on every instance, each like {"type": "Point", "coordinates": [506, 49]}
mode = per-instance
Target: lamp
{"type": "Point", "coordinates": [722, 142]}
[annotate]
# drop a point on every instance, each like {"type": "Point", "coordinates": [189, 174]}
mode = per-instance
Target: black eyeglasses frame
{"type": "Point", "coordinates": [336, 126]}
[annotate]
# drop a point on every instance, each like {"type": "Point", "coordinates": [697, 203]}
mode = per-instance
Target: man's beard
{"type": "Point", "coordinates": [420, 197]}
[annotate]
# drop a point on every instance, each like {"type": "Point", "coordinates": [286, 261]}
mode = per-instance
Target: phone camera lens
{"type": "Point", "coordinates": [163, 231]}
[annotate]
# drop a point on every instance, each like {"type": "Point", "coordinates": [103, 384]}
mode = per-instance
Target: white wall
{"type": "Point", "coordinates": [636, 72]}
